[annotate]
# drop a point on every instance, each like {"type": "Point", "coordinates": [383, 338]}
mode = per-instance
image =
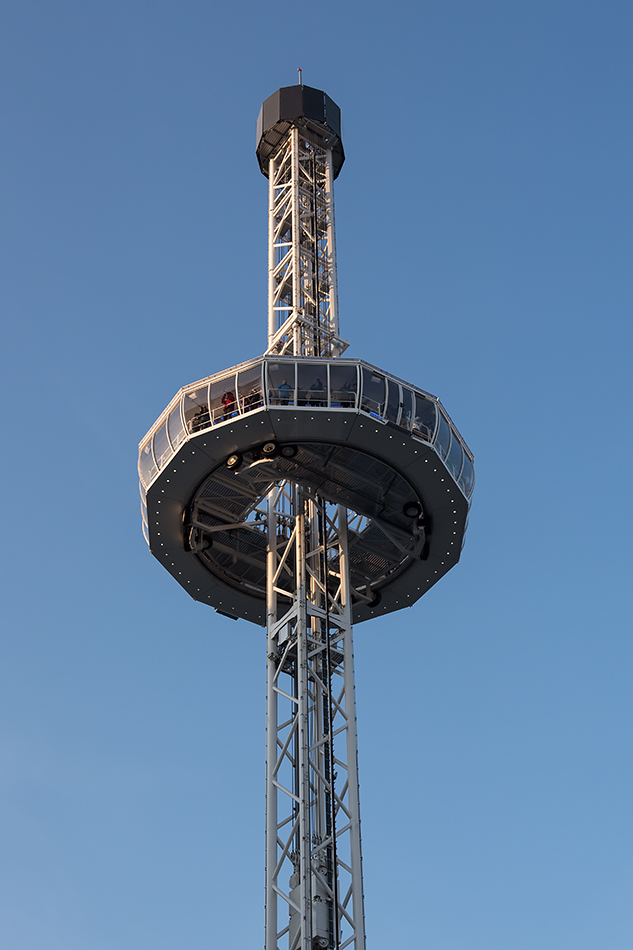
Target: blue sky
{"type": "Point", "coordinates": [484, 238]}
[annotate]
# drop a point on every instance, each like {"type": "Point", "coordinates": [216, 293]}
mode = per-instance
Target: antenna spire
{"type": "Point", "coordinates": [300, 71]}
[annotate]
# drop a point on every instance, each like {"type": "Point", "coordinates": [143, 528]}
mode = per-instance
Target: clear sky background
{"type": "Point", "coordinates": [484, 235]}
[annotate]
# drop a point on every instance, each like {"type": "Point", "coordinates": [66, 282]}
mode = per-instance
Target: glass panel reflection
{"type": "Point", "coordinates": [146, 464]}
{"type": "Point", "coordinates": [281, 384]}
{"type": "Point", "coordinates": [162, 447]}
{"type": "Point", "coordinates": [311, 387]}
{"type": "Point", "coordinates": [393, 401]}
{"type": "Point", "coordinates": [373, 392]}
{"type": "Point", "coordinates": [175, 428]}
{"type": "Point", "coordinates": [249, 388]}
{"type": "Point", "coordinates": [406, 416]}
{"type": "Point", "coordinates": [424, 418]}
{"type": "Point", "coordinates": [454, 460]}
{"type": "Point", "coordinates": [343, 385]}
{"type": "Point", "coordinates": [196, 409]}
{"type": "Point", "coordinates": [467, 477]}
{"type": "Point", "coordinates": [443, 437]}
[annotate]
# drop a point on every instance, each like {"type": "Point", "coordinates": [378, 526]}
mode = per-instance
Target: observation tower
{"type": "Point", "coordinates": [305, 492]}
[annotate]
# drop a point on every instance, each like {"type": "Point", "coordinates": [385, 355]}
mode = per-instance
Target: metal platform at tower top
{"type": "Point", "coordinates": [306, 491]}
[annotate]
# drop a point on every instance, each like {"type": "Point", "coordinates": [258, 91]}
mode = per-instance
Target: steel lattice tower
{"type": "Point", "coordinates": [304, 491]}
{"type": "Point", "coordinates": [310, 818]}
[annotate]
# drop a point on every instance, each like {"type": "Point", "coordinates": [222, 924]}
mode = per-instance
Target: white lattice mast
{"type": "Point", "coordinates": [314, 896]}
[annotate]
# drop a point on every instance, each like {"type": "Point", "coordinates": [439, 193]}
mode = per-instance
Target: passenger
{"type": "Point", "coordinates": [252, 400]}
{"type": "Point", "coordinates": [228, 404]}
{"type": "Point", "coordinates": [284, 391]}
{"type": "Point", "coordinates": [318, 389]}
{"type": "Point", "coordinates": [201, 419]}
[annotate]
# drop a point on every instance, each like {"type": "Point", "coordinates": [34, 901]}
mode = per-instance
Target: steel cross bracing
{"type": "Point", "coordinates": [314, 893]}
{"type": "Point", "coordinates": [302, 287]}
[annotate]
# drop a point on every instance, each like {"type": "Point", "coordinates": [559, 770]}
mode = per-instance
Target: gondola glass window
{"type": "Point", "coordinates": [373, 400]}
{"type": "Point", "coordinates": [467, 478]}
{"type": "Point", "coordinates": [454, 460]}
{"type": "Point", "coordinates": [393, 401]}
{"type": "Point", "coordinates": [443, 437]}
{"type": "Point", "coordinates": [424, 418]}
{"type": "Point", "coordinates": [249, 388]}
{"type": "Point", "coordinates": [196, 409]}
{"type": "Point", "coordinates": [406, 415]}
{"type": "Point", "coordinates": [312, 384]}
{"type": "Point", "coordinates": [146, 464]}
{"type": "Point", "coordinates": [175, 427]}
{"type": "Point", "coordinates": [222, 400]}
{"type": "Point", "coordinates": [162, 448]}
{"type": "Point", "coordinates": [281, 384]}
{"type": "Point", "coordinates": [343, 385]}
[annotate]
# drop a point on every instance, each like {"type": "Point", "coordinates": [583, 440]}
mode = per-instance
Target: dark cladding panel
{"type": "Point", "coordinates": [294, 102]}
{"type": "Point", "coordinates": [290, 102]}
{"type": "Point", "coordinates": [260, 126]}
{"type": "Point", "coordinates": [313, 104]}
{"type": "Point", "coordinates": [271, 110]}
{"type": "Point", "coordinates": [332, 114]}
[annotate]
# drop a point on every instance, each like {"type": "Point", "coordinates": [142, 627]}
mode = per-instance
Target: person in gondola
{"type": "Point", "coordinates": [201, 419]}
{"type": "Point", "coordinates": [284, 391]}
{"type": "Point", "coordinates": [228, 404]}
{"type": "Point", "coordinates": [252, 399]}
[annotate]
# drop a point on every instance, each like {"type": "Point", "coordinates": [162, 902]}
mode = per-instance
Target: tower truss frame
{"type": "Point", "coordinates": [314, 896]}
{"type": "Point", "coordinates": [313, 847]}
{"type": "Point", "coordinates": [302, 280]}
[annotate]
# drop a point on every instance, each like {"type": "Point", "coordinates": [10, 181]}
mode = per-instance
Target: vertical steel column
{"type": "Point", "coordinates": [272, 319]}
{"type": "Point", "coordinates": [296, 243]}
{"type": "Point", "coordinates": [331, 249]}
{"type": "Point", "coordinates": [302, 744]}
{"type": "Point", "coordinates": [271, 726]}
{"type": "Point", "coordinates": [358, 900]}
